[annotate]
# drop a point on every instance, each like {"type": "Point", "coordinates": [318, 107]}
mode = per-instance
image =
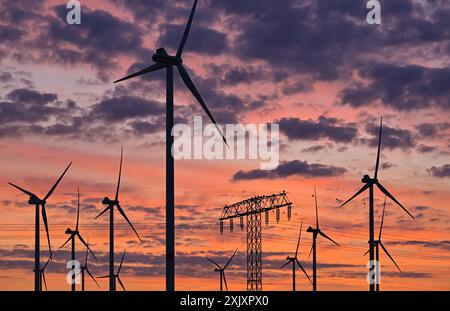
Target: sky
{"type": "Point", "coordinates": [316, 68]}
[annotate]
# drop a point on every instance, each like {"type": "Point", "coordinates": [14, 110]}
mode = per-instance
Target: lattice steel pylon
{"type": "Point", "coordinates": [252, 210]}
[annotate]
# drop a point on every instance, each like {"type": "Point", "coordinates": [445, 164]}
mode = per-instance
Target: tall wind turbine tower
{"type": "Point", "coordinates": [369, 183]}
{"type": "Point", "coordinates": [162, 60]}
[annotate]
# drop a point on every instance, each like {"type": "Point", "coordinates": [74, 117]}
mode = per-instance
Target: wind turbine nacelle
{"type": "Point", "coordinates": [366, 179]}
{"type": "Point", "coordinates": [161, 51]}
{"type": "Point", "coordinates": [35, 201]}
{"type": "Point", "coordinates": [68, 231]}
{"type": "Point", "coordinates": [162, 57]}
{"type": "Point", "coordinates": [310, 229]}
{"type": "Point", "coordinates": [106, 201]}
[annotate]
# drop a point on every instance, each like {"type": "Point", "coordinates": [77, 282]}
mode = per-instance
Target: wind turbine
{"type": "Point", "coordinates": [316, 231]}
{"type": "Point", "coordinates": [42, 274]}
{"type": "Point", "coordinates": [37, 202]}
{"type": "Point", "coordinates": [378, 243]}
{"type": "Point", "coordinates": [84, 268]}
{"type": "Point", "coordinates": [116, 275]}
{"type": "Point", "coordinates": [110, 207]}
{"type": "Point", "coordinates": [162, 60]}
{"type": "Point", "coordinates": [369, 184]}
{"type": "Point", "coordinates": [76, 233]}
{"type": "Point", "coordinates": [294, 260]}
{"type": "Point", "coordinates": [221, 271]}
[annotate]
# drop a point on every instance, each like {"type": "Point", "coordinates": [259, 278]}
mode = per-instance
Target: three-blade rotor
{"type": "Point", "coordinates": [34, 200]}
{"type": "Point", "coordinates": [221, 270]}
{"type": "Point", "coordinates": [379, 242]}
{"type": "Point", "coordinates": [375, 180]}
{"type": "Point", "coordinates": [76, 233]}
{"type": "Point", "coordinates": [177, 61]}
{"type": "Point", "coordinates": [115, 203]}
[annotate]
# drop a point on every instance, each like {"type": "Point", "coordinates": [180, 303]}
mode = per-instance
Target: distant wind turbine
{"type": "Point", "coordinates": [221, 270]}
{"type": "Point", "coordinates": [378, 243]}
{"type": "Point", "coordinates": [165, 61]}
{"type": "Point", "coordinates": [84, 268]}
{"type": "Point", "coordinates": [369, 184]}
{"type": "Point", "coordinates": [34, 200]}
{"type": "Point", "coordinates": [76, 233]}
{"type": "Point", "coordinates": [110, 207]}
{"type": "Point", "coordinates": [116, 275]}
{"type": "Point", "coordinates": [294, 260]}
{"type": "Point", "coordinates": [42, 275]}
{"type": "Point", "coordinates": [316, 231]}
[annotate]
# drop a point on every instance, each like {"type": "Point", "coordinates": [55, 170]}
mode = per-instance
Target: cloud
{"type": "Point", "coordinates": [292, 168]}
{"type": "Point", "coordinates": [31, 97]}
{"type": "Point", "coordinates": [28, 111]}
{"type": "Point", "coordinates": [433, 130]}
{"type": "Point", "coordinates": [324, 128]}
{"type": "Point", "coordinates": [6, 77]}
{"type": "Point", "coordinates": [444, 244]}
{"type": "Point", "coordinates": [426, 149]}
{"type": "Point", "coordinates": [201, 40]}
{"type": "Point", "coordinates": [392, 138]}
{"type": "Point", "coordinates": [28, 106]}
{"type": "Point", "coordinates": [440, 171]}
{"type": "Point", "coordinates": [400, 87]}
{"type": "Point", "coordinates": [314, 149]}
{"type": "Point", "coordinates": [395, 274]}
{"type": "Point", "coordinates": [10, 34]}
{"type": "Point", "coordinates": [100, 39]}
{"type": "Point", "coordinates": [147, 210]}
{"type": "Point", "coordinates": [234, 75]}
{"type": "Point", "coordinates": [125, 107]}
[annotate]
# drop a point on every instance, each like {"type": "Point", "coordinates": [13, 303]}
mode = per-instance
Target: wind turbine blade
{"type": "Point", "coordinates": [327, 237]}
{"type": "Point", "coordinates": [301, 267]}
{"type": "Point", "coordinates": [121, 284]}
{"type": "Point", "coordinates": [44, 217]}
{"type": "Point", "coordinates": [92, 277]}
{"type": "Point", "coordinates": [288, 262]}
{"type": "Point", "coordinates": [364, 188]}
{"type": "Point", "coordinates": [382, 219]}
{"type": "Point", "coordinates": [225, 280]}
{"type": "Point", "coordinates": [56, 183]}
{"type": "Point", "coordinates": [190, 85]}
{"type": "Point", "coordinates": [214, 263]}
{"type": "Point", "coordinates": [45, 281]}
{"type": "Point", "coordinates": [121, 262]}
{"type": "Point", "coordinates": [186, 30]}
{"type": "Point", "coordinates": [103, 277]}
{"type": "Point", "coordinates": [86, 254]}
{"type": "Point", "coordinates": [66, 241]}
{"type": "Point", "coordinates": [310, 251]}
{"type": "Point", "coordinates": [126, 218]}
{"type": "Point", "coordinates": [154, 67]}
{"type": "Point", "coordinates": [46, 263]}
{"type": "Point", "coordinates": [365, 254]}
{"type": "Point", "coordinates": [78, 209]}
{"type": "Point", "coordinates": [379, 150]}
{"type": "Point", "coordinates": [317, 209]}
{"type": "Point", "coordinates": [104, 211]}
{"type": "Point", "coordinates": [84, 242]}
{"type": "Point", "coordinates": [299, 237]}
{"type": "Point", "coordinates": [229, 260]}
{"type": "Point", "coordinates": [387, 253]}
{"type": "Point", "coordinates": [120, 174]}
{"type": "Point", "coordinates": [384, 190]}
{"type": "Point", "coordinates": [23, 190]}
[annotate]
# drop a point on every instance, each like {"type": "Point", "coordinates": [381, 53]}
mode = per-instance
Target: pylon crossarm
{"type": "Point", "coordinates": [255, 205]}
